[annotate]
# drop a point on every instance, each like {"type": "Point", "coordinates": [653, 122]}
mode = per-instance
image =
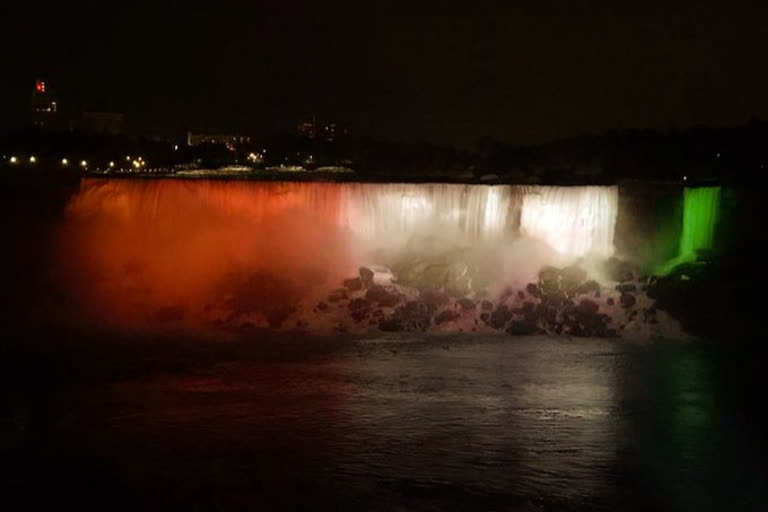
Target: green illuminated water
{"type": "Point", "coordinates": [700, 210]}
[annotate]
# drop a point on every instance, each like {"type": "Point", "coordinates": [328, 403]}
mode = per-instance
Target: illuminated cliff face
{"type": "Point", "coordinates": [129, 248]}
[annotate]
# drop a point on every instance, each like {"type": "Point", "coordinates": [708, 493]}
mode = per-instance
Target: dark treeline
{"type": "Point", "coordinates": [735, 154]}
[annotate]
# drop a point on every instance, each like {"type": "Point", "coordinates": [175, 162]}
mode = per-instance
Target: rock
{"type": "Point", "coordinates": [446, 315]}
{"type": "Point", "coordinates": [587, 307]}
{"type": "Point", "coordinates": [610, 301]}
{"type": "Point", "coordinates": [358, 315]}
{"type": "Point", "coordinates": [626, 288]}
{"type": "Point", "coordinates": [556, 299]}
{"type": "Point", "coordinates": [466, 304]}
{"type": "Point", "coordinates": [549, 280]}
{"type": "Point", "coordinates": [359, 303]}
{"type": "Point", "coordinates": [366, 276]}
{"type": "Point", "coordinates": [322, 306]}
{"type": "Point", "coordinates": [485, 317]}
{"type": "Point", "coordinates": [627, 300]}
{"type": "Point", "coordinates": [521, 295]}
{"type": "Point", "coordinates": [570, 279]}
{"type": "Point", "coordinates": [391, 325]}
{"type": "Point", "coordinates": [500, 316]}
{"type": "Point", "coordinates": [379, 294]}
{"type": "Point", "coordinates": [486, 305]}
{"type": "Point", "coordinates": [434, 299]}
{"type": "Point", "coordinates": [522, 328]}
{"type": "Point", "coordinates": [247, 325]}
{"type": "Point", "coordinates": [337, 295]}
{"type": "Point", "coordinates": [533, 289]}
{"type": "Point", "coordinates": [353, 284]}
{"type": "Point", "coordinates": [588, 287]}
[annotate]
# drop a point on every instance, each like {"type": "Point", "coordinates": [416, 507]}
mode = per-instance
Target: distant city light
{"type": "Point", "coordinates": [128, 158]}
{"type": "Point", "coordinates": [718, 155]}
{"type": "Point", "coordinates": [13, 160]}
{"type": "Point", "coordinates": [40, 86]}
{"type": "Point", "coordinates": [64, 161]}
{"type": "Point", "coordinates": [83, 163]}
{"type": "Point", "coordinates": [32, 159]}
{"type": "Point", "coordinates": [111, 164]}
{"type": "Point", "coordinates": [175, 147]}
{"type": "Point", "coordinates": [685, 178]}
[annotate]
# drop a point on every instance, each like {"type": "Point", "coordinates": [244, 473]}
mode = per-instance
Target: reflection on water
{"type": "Point", "coordinates": [419, 424]}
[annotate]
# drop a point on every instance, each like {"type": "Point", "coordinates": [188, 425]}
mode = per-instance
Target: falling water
{"type": "Point", "coordinates": [700, 211]}
{"type": "Point", "coordinates": [147, 244]}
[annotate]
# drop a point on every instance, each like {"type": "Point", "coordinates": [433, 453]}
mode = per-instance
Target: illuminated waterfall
{"type": "Point", "coordinates": [400, 210]}
{"type": "Point", "coordinates": [575, 221]}
{"type": "Point", "coordinates": [700, 206]}
{"type": "Point", "coordinates": [700, 210]}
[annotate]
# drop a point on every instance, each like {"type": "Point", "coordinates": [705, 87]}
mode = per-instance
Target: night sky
{"type": "Point", "coordinates": [448, 75]}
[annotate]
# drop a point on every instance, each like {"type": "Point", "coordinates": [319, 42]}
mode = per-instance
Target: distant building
{"type": "Point", "coordinates": [229, 140]}
{"type": "Point", "coordinates": [44, 106]}
{"type": "Point", "coordinates": [102, 122]}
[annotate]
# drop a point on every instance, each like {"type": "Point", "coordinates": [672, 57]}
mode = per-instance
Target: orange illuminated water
{"type": "Point", "coordinates": [136, 252]}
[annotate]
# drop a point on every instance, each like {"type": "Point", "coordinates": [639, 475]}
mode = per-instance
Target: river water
{"type": "Point", "coordinates": [427, 423]}
{"type": "Point", "coordinates": [102, 409]}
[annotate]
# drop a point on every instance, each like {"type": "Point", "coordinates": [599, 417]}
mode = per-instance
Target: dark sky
{"type": "Point", "coordinates": [521, 74]}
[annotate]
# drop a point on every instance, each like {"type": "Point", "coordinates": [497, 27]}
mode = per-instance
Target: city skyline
{"type": "Point", "coordinates": [445, 77]}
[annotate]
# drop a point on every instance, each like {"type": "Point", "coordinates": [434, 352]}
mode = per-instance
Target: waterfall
{"type": "Point", "coordinates": [575, 221]}
{"type": "Point", "coordinates": [700, 207]}
{"type": "Point", "coordinates": [700, 212]}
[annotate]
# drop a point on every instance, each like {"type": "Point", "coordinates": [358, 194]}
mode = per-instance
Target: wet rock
{"type": "Point", "coordinates": [570, 279]}
{"type": "Point", "coordinates": [587, 307]}
{"type": "Point", "coordinates": [626, 288]}
{"type": "Point", "coordinates": [466, 304]}
{"type": "Point", "coordinates": [322, 306]}
{"type": "Point", "coordinates": [533, 289]}
{"type": "Point", "coordinates": [588, 287]}
{"type": "Point", "coordinates": [358, 315]}
{"type": "Point", "coordinates": [434, 299]}
{"type": "Point", "coordinates": [353, 284]}
{"type": "Point", "coordinates": [366, 276]}
{"type": "Point", "coordinates": [610, 301]}
{"type": "Point", "coordinates": [337, 295]}
{"type": "Point", "coordinates": [485, 317]}
{"type": "Point", "coordinates": [247, 325]}
{"type": "Point", "coordinates": [382, 296]}
{"type": "Point", "coordinates": [556, 299]}
{"type": "Point", "coordinates": [549, 280]}
{"type": "Point", "coordinates": [547, 315]}
{"type": "Point", "coordinates": [521, 328]}
{"type": "Point", "coordinates": [521, 295]}
{"type": "Point", "coordinates": [359, 303]}
{"type": "Point", "coordinates": [446, 315]}
{"type": "Point", "coordinates": [168, 314]}
{"type": "Point", "coordinates": [500, 316]}
{"type": "Point", "coordinates": [627, 300]}
{"type": "Point", "coordinates": [486, 305]}
{"type": "Point", "coordinates": [391, 325]}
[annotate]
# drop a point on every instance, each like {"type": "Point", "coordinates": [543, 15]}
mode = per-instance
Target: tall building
{"type": "Point", "coordinates": [43, 105]}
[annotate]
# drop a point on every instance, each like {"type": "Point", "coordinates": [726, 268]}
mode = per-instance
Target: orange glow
{"type": "Point", "coordinates": [130, 247]}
